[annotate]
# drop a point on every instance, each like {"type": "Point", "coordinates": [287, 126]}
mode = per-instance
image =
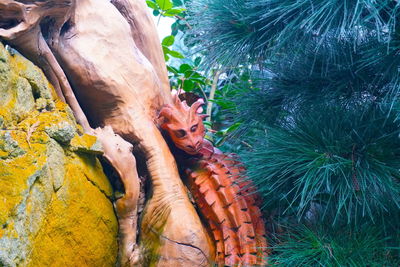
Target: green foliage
{"type": "Point", "coordinates": [187, 77]}
{"type": "Point", "coordinates": [165, 44]}
{"type": "Point", "coordinates": [168, 41]}
{"type": "Point", "coordinates": [164, 8]}
{"type": "Point", "coordinates": [174, 8]}
{"type": "Point", "coordinates": [232, 31]}
{"type": "Point", "coordinates": [164, 4]}
{"type": "Point", "coordinates": [312, 88]}
{"type": "Point", "coordinates": [327, 246]}
{"type": "Point", "coordinates": [221, 135]}
{"type": "Point", "coordinates": [344, 158]}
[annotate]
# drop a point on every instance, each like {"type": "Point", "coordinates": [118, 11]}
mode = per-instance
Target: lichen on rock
{"type": "Point", "coordinates": [9, 148]}
{"type": "Point", "coordinates": [62, 132]}
{"type": "Point", "coordinates": [56, 200]}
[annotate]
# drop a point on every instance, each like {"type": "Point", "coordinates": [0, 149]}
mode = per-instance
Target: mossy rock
{"type": "Point", "coordinates": [56, 200]}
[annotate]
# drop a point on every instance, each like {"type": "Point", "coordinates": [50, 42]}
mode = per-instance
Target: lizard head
{"type": "Point", "coordinates": [184, 124]}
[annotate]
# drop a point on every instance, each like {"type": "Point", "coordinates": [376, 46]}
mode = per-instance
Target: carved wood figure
{"type": "Point", "coordinates": [105, 60]}
{"type": "Point", "coordinates": [224, 198]}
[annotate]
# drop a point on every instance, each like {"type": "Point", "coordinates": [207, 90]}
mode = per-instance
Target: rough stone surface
{"type": "Point", "coordinates": [55, 199]}
{"type": "Point", "coordinates": [62, 132]}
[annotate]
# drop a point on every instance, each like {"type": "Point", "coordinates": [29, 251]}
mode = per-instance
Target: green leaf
{"type": "Point", "coordinates": [164, 4]}
{"type": "Point", "coordinates": [199, 81]}
{"type": "Point", "coordinates": [188, 74]}
{"type": "Point", "coordinates": [166, 50]}
{"type": "Point", "coordinates": [188, 85]}
{"type": "Point", "coordinates": [168, 41]}
{"type": "Point", "coordinates": [176, 54]}
{"type": "Point", "coordinates": [231, 128]}
{"type": "Point", "coordinates": [156, 12]}
{"type": "Point", "coordinates": [152, 4]}
{"type": "Point", "coordinates": [173, 11]}
{"type": "Point", "coordinates": [196, 75]}
{"type": "Point", "coordinates": [207, 124]}
{"type": "Point", "coordinates": [184, 67]}
{"type": "Point", "coordinates": [174, 29]}
{"type": "Point", "coordinates": [172, 69]}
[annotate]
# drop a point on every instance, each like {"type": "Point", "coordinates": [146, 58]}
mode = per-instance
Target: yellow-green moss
{"type": "Point", "coordinates": [86, 144]}
{"type": "Point", "coordinates": [87, 227]}
{"type": "Point", "coordinates": [55, 199]}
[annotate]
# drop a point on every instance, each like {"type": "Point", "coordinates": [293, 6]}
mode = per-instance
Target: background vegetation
{"type": "Point", "coordinates": [307, 92]}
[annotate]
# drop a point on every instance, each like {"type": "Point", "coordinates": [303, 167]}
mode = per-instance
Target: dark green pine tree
{"type": "Point", "coordinates": [321, 116]}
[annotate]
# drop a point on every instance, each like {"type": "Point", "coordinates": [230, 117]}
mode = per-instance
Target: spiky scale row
{"type": "Point", "coordinates": [228, 204]}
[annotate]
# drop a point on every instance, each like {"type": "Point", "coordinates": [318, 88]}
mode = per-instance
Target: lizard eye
{"type": "Point", "coordinates": [194, 128]}
{"type": "Point", "coordinates": [180, 133]}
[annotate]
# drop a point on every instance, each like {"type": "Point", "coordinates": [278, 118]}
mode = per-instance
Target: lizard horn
{"type": "Point", "coordinates": [165, 115]}
{"type": "Point", "coordinates": [194, 109]}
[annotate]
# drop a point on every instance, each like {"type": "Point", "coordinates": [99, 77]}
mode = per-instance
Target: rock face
{"type": "Point", "coordinates": [55, 201]}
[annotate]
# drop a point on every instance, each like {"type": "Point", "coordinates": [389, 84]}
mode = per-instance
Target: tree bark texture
{"type": "Point", "coordinates": [108, 55]}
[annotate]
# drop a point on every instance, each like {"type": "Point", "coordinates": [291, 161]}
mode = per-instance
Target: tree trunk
{"type": "Point", "coordinates": [109, 53]}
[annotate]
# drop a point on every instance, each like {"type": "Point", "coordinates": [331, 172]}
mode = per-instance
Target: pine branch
{"type": "Point", "coordinates": [332, 246]}
{"type": "Point", "coordinates": [314, 157]}
{"type": "Point", "coordinates": [233, 31]}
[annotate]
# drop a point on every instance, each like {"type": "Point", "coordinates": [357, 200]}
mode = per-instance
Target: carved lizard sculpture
{"type": "Point", "coordinates": [224, 198]}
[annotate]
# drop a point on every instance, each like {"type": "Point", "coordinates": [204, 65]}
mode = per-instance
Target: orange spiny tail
{"type": "Point", "coordinates": [229, 206]}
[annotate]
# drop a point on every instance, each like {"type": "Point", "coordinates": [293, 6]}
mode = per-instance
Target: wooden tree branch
{"type": "Point", "coordinates": [118, 153]}
{"type": "Point", "coordinates": [64, 84]}
{"type": "Point", "coordinates": [146, 39]}
{"type": "Point", "coordinates": [111, 56]}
